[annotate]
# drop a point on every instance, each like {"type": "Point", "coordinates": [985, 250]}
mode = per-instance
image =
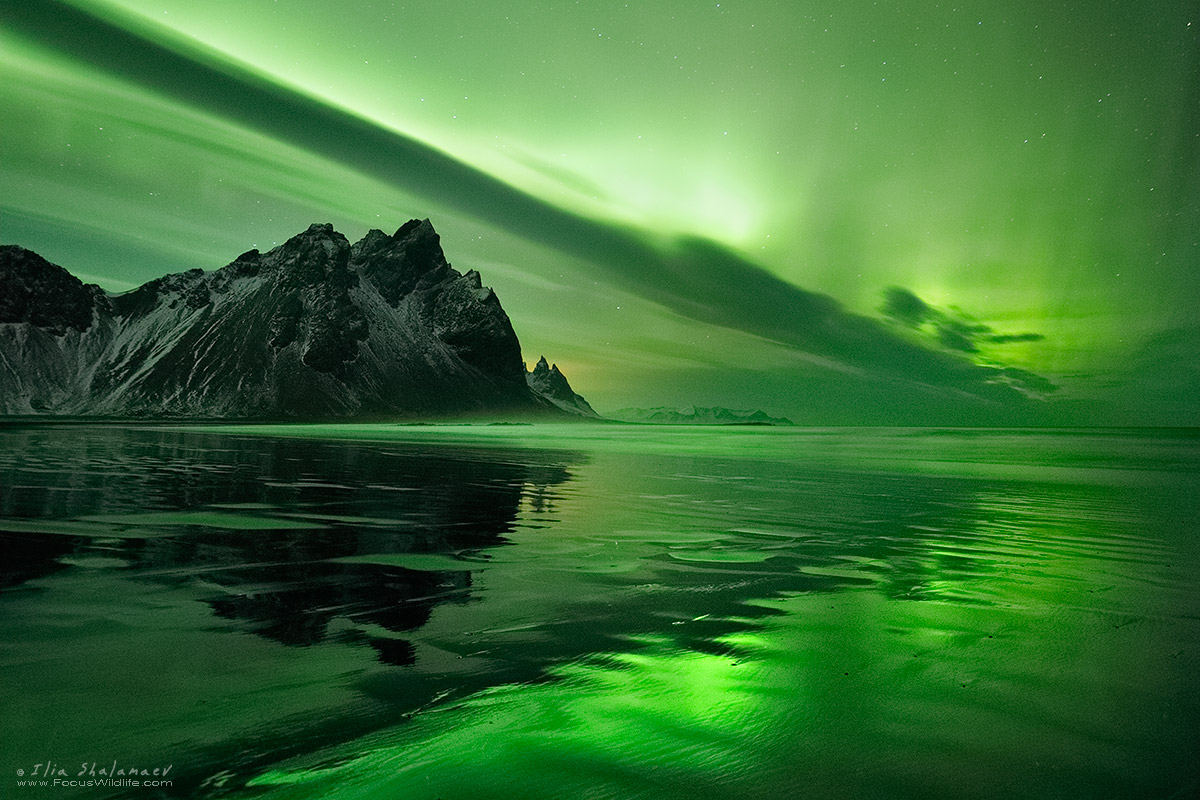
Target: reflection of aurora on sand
{"type": "Point", "coordinates": [373, 611]}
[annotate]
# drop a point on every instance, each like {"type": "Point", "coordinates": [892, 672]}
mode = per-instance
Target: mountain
{"type": "Point", "coordinates": [697, 415]}
{"type": "Point", "coordinates": [546, 381]}
{"type": "Point", "coordinates": [315, 328]}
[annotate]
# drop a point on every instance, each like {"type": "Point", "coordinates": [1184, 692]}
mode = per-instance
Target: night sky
{"type": "Point", "coordinates": [841, 211]}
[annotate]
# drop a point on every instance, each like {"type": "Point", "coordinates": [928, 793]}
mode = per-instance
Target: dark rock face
{"type": "Point", "coordinates": [43, 294]}
{"type": "Point", "coordinates": [315, 328]}
{"type": "Point", "coordinates": [462, 312]}
{"type": "Point", "coordinates": [547, 382]}
{"type": "Point", "coordinates": [410, 258]}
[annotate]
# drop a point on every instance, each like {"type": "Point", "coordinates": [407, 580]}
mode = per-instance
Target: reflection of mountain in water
{"type": "Point", "coordinates": [281, 535]}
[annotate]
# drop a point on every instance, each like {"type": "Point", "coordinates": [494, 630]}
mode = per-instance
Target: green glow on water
{"type": "Point", "coordinates": [833, 698]}
{"type": "Point", "coordinates": [421, 562]}
{"type": "Point", "coordinates": [1051, 454]}
{"type": "Point", "coordinates": [206, 519]}
{"type": "Point", "coordinates": [645, 716]}
{"type": "Point", "coordinates": [607, 612]}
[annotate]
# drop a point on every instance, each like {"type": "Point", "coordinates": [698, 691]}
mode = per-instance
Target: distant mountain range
{"type": "Point", "coordinates": [697, 415]}
{"type": "Point", "coordinates": [316, 328]}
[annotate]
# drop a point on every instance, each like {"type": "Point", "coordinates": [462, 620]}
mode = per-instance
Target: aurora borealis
{"type": "Point", "coordinates": [710, 203]}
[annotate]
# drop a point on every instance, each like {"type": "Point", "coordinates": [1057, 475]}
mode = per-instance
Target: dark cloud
{"type": "Point", "coordinates": [953, 337]}
{"type": "Point", "coordinates": [1007, 338]}
{"type": "Point", "coordinates": [952, 328]}
{"type": "Point", "coordinates": [905, 307]}
{"type": "Point", "coordinates": [1026, 381]}
{"type": "Point", "coordinates": [694, 277]}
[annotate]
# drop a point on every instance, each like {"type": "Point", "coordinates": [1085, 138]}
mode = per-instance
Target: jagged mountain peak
{"type": "Point", "coordinates": [317, 255]}
{"type": "Point", "coordinates": [409, 259]}
{"type": "Point", "coordinates": [547, 381]}
{"type": "Point", "coordinates": [318, 234]}
{"type": "Point", "coordinates": [416, 229]}
{"type": "Point", "coordinates": [543, 367]}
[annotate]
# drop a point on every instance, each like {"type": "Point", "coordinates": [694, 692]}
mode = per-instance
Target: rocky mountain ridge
{"type": "Point", "coordinates": [697, 415]}
{"type": "Point", "coordinates": [314, 328]}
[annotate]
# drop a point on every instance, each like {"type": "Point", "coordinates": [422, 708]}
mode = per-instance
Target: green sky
{"type": "Point", "coordinates": [677, 202]}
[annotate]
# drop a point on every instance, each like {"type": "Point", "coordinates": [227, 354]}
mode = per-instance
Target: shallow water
{"type": "Point", "coordinates": [602, 611]}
